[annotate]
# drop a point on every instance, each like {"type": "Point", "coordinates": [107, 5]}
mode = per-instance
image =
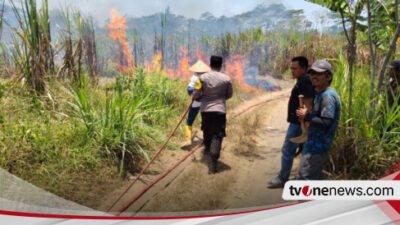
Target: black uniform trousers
{"type": "Point", "coordinates": [213, 125]}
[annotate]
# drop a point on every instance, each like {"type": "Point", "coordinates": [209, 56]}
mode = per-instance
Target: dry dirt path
{"type": "Point", "coordinates": [250, 157]}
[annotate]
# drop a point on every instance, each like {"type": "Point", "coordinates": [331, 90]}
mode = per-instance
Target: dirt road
{"type": "Point", "coordinates": [250, 157]}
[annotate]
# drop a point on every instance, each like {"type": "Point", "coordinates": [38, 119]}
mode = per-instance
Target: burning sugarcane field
{"type": "Point", "coordinates": [188, 110]}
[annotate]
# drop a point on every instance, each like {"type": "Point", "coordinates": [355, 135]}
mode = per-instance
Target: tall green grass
{"type": "Point", "coordinates": [369, 146]}
{"type": "Point", "coordinates": [128, 121]}
{"type": "Point", "coordinates": [45, 146]}
{"type": "Point", "coordinates": [85, 137]}
{"type": "Point", "coordinates": [33, 52]}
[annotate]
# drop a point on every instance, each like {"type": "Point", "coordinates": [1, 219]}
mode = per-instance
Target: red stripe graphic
{"type": "Point", "coordinates": [55, 216]}
{"type": "Point", "coordinates": [391, 207]}
{"type": "Point", "coordinates": [395, 203]}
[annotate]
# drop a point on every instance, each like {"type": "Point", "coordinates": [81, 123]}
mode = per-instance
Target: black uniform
{"type": "Point", "coordinates": [302, 87]}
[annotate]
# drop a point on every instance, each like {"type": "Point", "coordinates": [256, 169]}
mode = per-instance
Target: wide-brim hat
{"type": "Point", "coordinates": [199, 67]}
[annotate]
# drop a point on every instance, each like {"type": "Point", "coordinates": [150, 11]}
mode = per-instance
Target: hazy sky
{"type": "Point", "coordinates": [100, 9]}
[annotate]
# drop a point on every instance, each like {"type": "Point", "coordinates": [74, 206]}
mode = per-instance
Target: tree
{"type": "Point", "coordinates": [163, 35]}
{"type": "Point", "coordinates": [391, 49]}
{"type": "Point", "coordinates": [372, 52]}
{"type": "Point", "coordinates": [350, 11]}
{"type": "Point", "coordinates": [382, 34]}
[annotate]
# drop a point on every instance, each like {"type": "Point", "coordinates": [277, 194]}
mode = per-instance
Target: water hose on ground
{"type": "Point", "coordinates": [148, 186]}
{"type": "Point", "coordinates": [154, 157]}
{"type": "Point", "coordinates": [145, 189]}
{"type": "Point", "coordinates": [258, 104]}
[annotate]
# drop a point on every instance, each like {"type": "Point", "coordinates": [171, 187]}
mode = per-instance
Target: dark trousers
{"type": "Point", "coordinates": [311, 165]}
{"type": "Point", "coordinates": [192, 115]}
{"type": "Point", "coordinates": [213, 125]}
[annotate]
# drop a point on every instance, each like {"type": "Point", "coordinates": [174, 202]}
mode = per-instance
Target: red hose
{"type": "Point", "coordinates": [137, 196]}
{"type": "Point", "coordinates": [255, 105]}
{"type": "Point", "coordinates": [154, 157]}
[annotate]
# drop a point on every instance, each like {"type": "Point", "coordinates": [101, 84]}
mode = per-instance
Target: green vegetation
{"type": "Point", "coordinates": [128, 119]}
{"type": "Point", "coordinates": [62, 131]}
{"type": "Point", "coordinates": [367, 141]}
{"type": "Point", "coordinates": [59, 140]}
{"type": "Point", "coordinates": [271, 51]}
{"type": "Point", "coordinates": [369, 146]}
{"type": "Point", "coordinates": [32, 53]}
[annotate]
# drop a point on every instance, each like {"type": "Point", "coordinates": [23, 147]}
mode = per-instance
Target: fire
{"type": "Point", "coordinates": [117, 32]}
{"type": "Point", "coordinates": [155, 66]}
{"type": "Point", "coordinates": [169, 72]}
{"type": "Point", "coordinates": [156, 62]}
{"type": "Point", "coordinates": [234, 69]}
{"type": "Point", "coordinates": [184, 64]}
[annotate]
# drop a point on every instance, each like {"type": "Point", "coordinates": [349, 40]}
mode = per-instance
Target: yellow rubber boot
{"type": "Point", "coordinates": [188, 134]}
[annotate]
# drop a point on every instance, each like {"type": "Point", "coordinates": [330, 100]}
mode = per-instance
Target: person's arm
{"type": "Point", "coordinates": [191, 84]}
{"type": "Point", "coordinates": [197, 92]}
{"type": "Point", "coordinates": [313, 119]}
{"type": "Point", "coordinates": [317, 121]}
{"type": "Point", "coordinates": [229, 91]}
{"type": "Point", "coordinates": [307, 90]}
{"type": "Point", "coordinates": [327, 115]}
{"type": "Point", "coordinates": [190, 90]}
{"type": "Point", "coordinates": [308, 103]}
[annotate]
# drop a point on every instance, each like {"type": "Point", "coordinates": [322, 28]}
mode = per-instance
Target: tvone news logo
{"type": "Point", "coordinates": [296, 191]}
{"type": "Point", "coordinates": [307, 191]}
{"type": "Point", "coordinates": [341, 190]}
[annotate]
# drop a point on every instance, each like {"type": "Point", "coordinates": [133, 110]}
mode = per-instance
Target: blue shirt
{"type": "Point", "coordinates": [326, 107]}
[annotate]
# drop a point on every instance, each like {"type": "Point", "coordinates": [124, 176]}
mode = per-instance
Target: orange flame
{"type": "Point", "coordinates": [234, 69]}
{"type": "Point", "coordinates": [170, 73]}
{"type": "Point", "coordinates": [184, 64]}
{"type": "Point", "coordinates": [155, 66]}
{"type": "Point", "coordinates": [156, 62]}
{"type": "Point", "coordinates": [117, 32]}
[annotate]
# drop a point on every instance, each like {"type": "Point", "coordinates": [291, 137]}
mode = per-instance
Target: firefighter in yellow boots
{"type": "Point", "coordinates": [198, 68]}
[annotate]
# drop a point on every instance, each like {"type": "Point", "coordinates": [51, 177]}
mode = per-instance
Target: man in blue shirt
{"type": "Point", "coordinates": [323, 119]}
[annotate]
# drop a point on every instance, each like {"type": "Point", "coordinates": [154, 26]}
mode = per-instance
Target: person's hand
{"type": "Point", "coordinates": [307, 124]}
{"type": "Point", "coordinates": [301, 113]}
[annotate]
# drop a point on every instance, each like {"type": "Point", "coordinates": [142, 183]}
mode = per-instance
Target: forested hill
{"type": "Point", "coordinates": [267, 17]}
{"type": "Point", "coordinates": [263, 16]}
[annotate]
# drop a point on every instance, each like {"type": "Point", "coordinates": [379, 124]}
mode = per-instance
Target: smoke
{"type": "Point", "coordinates": [251, 79]}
